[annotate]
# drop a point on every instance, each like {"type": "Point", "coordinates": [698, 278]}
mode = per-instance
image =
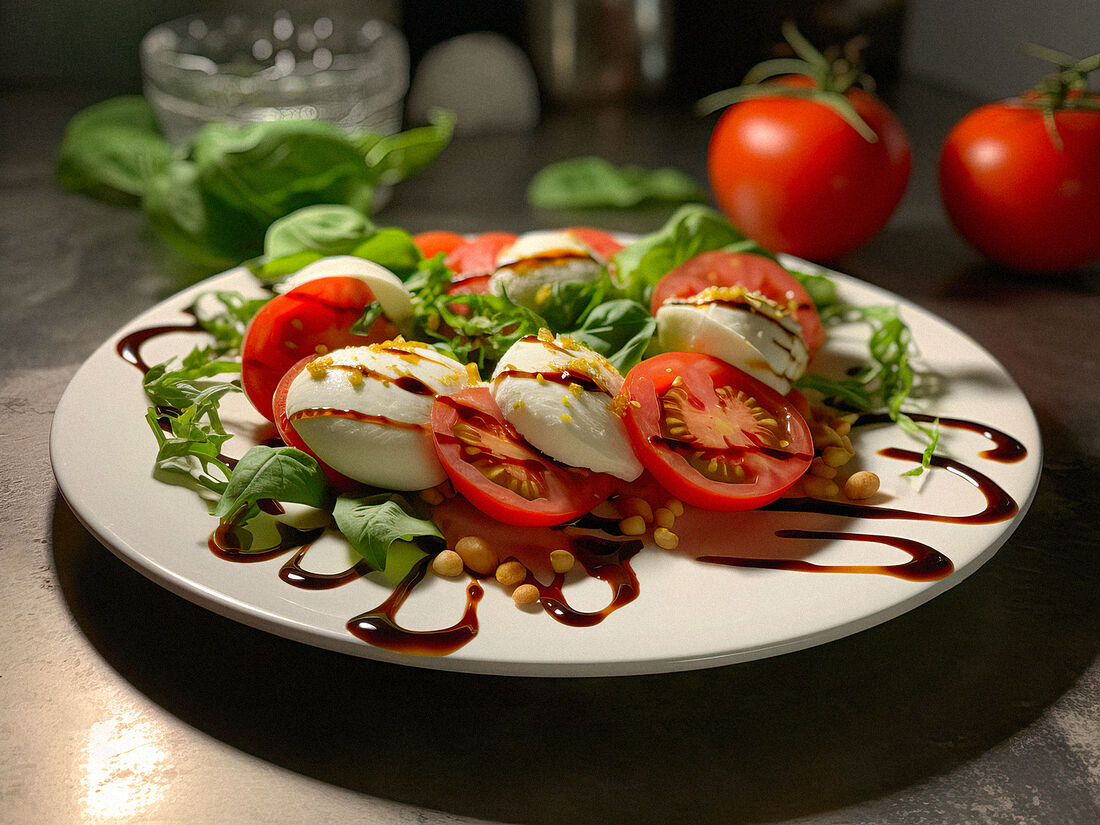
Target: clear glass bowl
{"type": "Point", "coordinates": [352, 72]}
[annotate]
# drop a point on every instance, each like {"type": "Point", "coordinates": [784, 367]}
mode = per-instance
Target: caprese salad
{"type": "Point", "coordinates": [535, 377]}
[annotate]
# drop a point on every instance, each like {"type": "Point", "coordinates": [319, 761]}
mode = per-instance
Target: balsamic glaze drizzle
{"type": "Point", "coordinates": [926, 563]}
{"type": "Point", "coordinates": [607, 557]}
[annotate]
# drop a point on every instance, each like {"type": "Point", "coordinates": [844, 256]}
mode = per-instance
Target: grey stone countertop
{"type": "Point", "coordinates": [121, 702]}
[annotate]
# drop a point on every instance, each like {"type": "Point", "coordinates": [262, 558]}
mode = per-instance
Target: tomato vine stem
{"type": "Point", "coordinates": [833, 73]}
{"type": "Point", "coordinates": [1064, 89]}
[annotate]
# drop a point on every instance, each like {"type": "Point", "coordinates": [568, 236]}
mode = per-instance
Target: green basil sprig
{"type": "Point", "coordinates": [590, 182]}
{"type": "Point", "coordinates": [214, 198]}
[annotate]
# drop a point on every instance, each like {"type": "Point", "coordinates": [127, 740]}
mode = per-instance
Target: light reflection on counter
{"type": "Point", "coordinates": [123, 772]}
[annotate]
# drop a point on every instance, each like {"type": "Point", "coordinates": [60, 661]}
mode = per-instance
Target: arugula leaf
{"type": "Point", "coordinates": [431, 280]}
{"type": "Point", "coordinates": [185, 419]}
{"type": "Point", "coordinates": [883, 383]}
{"type": "Point", "coordinates": [111, 150]}
{"type": "Point", "coordinates": [189, 442]}
{"type": "Point", "coordinates": [184, 385]}
{"type": "Point", "coordinates": [227, 326]}
{"type": "Point", "coordinates": [280, 473]}
{"type": "Point", "coordinates": [589, 182]}
{"type": "Point", "coordinates": [484, 333]}
{"type": "Point", "coordinates": [691, 230]}
{"type": "Point", "coordinates": [375, 525]}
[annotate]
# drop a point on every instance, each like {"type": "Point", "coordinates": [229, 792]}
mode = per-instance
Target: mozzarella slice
{"type": "Point", "coordinates": [528, 269]}
{"type": "Point", "coordinates": [364, 411]}
{"type": "Point", "coordinates": [388, 289]}
{"type": "Point", "coordinates": [742, 328]}
{"type": "Point", "coordinates": [559, 395]}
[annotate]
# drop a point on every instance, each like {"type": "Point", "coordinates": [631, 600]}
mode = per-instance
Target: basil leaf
{"type": "Point", "coordinates": [373, 524]}
{"type": "Point", "coordinates": [194, 223]}
{"type": "Point", "coordinates": [394, 158]}
{"type": "Point", "coordinates": [111, 150]}
{"type": "Point", "coordinates": [280, 473]}
{"type": "Point", "coordinates": [272, 168]}
{"type": "Point", "coordinates": [591, 182]}
{"type": "Point", "coordinates": [314, 232]}
{"type": "Point", "coordinates": [821, 288]}
{"type": "Point", "coordinates": [214, 200]}
{"type": "Point", "coordinates": [327, 229]}
{"type": "Point", "coordinates": [619, 330]}
{"type": "Point", "coordinates": [394, 249]}
{"type": "Point", "coordinates": [690, 231]}
{"type": "Point", "coordinates": [569, 302]}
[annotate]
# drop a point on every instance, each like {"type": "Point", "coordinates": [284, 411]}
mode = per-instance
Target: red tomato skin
{"type": "Point", "coordinates": [475, 285]}
{"type": "Point", "coordinates": [1018, 198]}
{"type": "Point", "coordinates": [652, 378]}
{"type": "Point", "coordinates": [795, 177]}
{"type": "Point", "coordinates": [317, 313]}
{"type": "Point", "coordinates": [432, 242]}
{"type": "Point", "coordinates": [754, 272]}
{"type": "Point", "coordinates": [478, 256]}
{"type": "Point", "coordinates": [603, 243]}
{"type": "Point", "coordinates": [571, 494]}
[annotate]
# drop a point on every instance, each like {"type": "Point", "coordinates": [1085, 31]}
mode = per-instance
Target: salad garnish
{"type": "Point", "coordinates": [714, 436]}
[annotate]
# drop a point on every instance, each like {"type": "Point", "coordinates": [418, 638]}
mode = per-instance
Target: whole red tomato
{"type": "Point", "coordinates": [1017, 195]}
{"type": "Point", "coordinates": [792, 167]}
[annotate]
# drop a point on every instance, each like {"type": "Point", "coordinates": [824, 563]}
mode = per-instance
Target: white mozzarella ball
{"type": "Point", "coordinates": [364, 411]}
{"type": "Point", "coordinates": [751, 333]}
{"type": "Point", "coordinates": [393, 296]}
{"type": "Point", "coordinates": [558, 395]}
{"type": "Point", "coordinates": [528, 269]}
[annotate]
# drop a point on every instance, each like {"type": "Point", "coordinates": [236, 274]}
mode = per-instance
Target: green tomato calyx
{"type": "Point", "coordinates": [832, 72]}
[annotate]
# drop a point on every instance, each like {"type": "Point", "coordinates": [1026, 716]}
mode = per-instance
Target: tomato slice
{"type": "Point", "coordinates": [310, 319]}
{"type": "Point", "coordinates": [712, 435]}
{"type": "Point", "coordinates": [475, 285]}
{"type": "Point", "coordinates": [753, 272]}
{"type": "Point", "coordinates": [602, 242]}
{"type": "Point", "coordinates": [433, 242]}
{"type": "Point", "coordinates": [290, 436]}
{"type": "Point", "coordinates": [490, 464]}
{"type": "Point", "coordinates": [478, 256]}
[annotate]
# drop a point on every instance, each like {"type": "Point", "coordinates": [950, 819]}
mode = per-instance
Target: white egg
{"type": "Point", "coordinates": [528, 269]}
{"type": "Point", "coordinates": [558, 395]}
{"type": "Point", "coordinates": [742, 328]}
{"type": "Point", "coordinates": [393, 296]}
{"type": "Point", "coordinates": [364, 411]}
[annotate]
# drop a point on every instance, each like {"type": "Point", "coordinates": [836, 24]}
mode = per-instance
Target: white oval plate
{"type": "Point", "coordinates": [688, 615]}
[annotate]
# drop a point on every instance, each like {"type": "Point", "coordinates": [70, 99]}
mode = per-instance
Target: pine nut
{"type": "Point", "coordinates": [447, 563]}
{"type": "Point", "coordinates": [861, 485]}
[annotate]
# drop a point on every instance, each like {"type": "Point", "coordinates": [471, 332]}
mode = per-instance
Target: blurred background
{"type": "Point", "coordinates": [683, 50]}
